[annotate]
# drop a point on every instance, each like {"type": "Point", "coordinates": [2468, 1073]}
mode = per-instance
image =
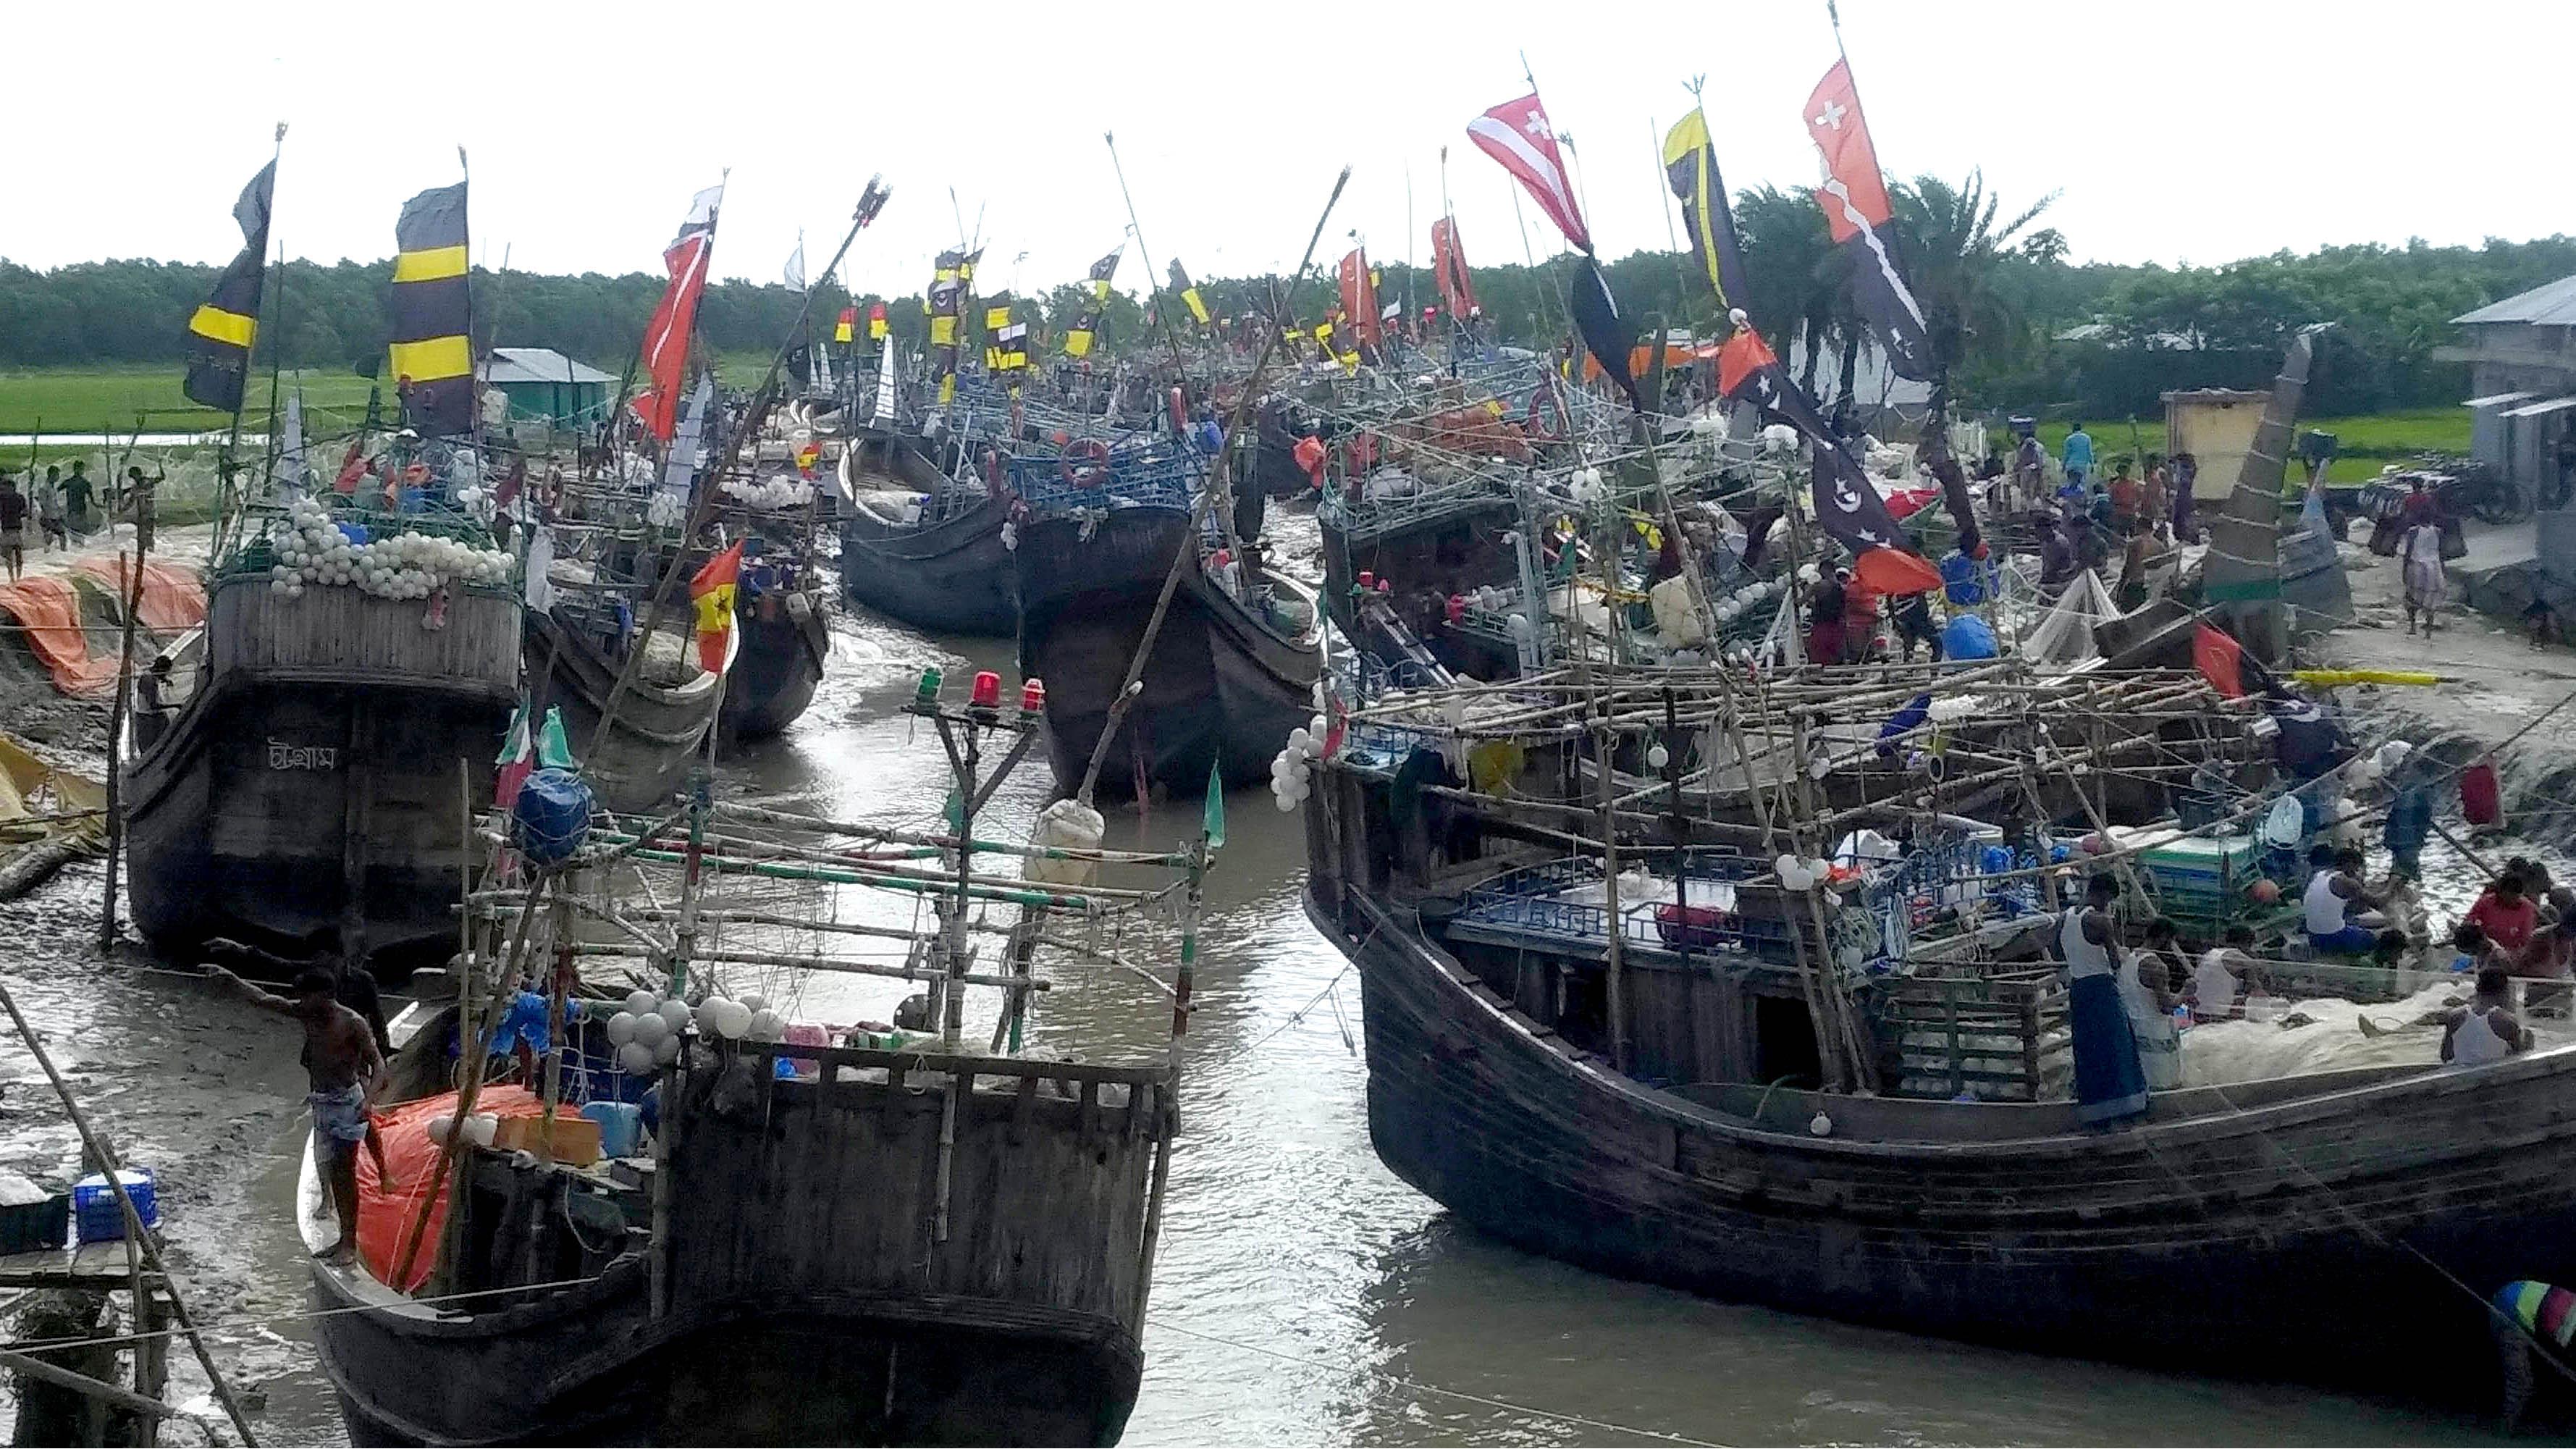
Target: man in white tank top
{"type": "Point", "coordinates": [2337, 906]}
{"type": "Point", "coordinates": [2485, 1030]}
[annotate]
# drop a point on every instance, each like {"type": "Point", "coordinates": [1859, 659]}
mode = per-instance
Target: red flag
{"type": "Point", "coordinates": [712, 591]}
{"type": "Point", "coordinates": [2220, 660]}
{"type": "Point", "coordinates": [1449, 270]}
{"type": "Point", "coordinates": [666, 337]}
{"type": "Point", "coordinates": [1517, 134]}
{"type": "Point", "coordinates": [1744, 354]}
{"type": "Point", "coordinates": [1359, 297]}
{"type": "Point", "coordinates": [847, 328]}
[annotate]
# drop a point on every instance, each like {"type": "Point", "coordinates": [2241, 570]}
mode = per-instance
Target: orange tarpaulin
{"type": "Point", "coordinates": [47, 611]}
{"type": "Point", "coordinates": [385, 1214]}
{"type": "Point", "coordinates": [174, 598]}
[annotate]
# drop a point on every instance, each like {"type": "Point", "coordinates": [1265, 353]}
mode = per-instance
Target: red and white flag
{"type": "Point", "coordinates": [1517, 134]}
{"type": "Point", "coordinates": [666, 337]}
{"type": "Point", "coordinates": [1854, 199]}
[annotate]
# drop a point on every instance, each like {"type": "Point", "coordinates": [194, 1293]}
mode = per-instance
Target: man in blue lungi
{"type": "Point", "coordinates": [2109, 1082]}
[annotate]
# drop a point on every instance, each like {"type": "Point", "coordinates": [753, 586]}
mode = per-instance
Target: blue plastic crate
{"type": "Point", "coordinates": [95, 1209]}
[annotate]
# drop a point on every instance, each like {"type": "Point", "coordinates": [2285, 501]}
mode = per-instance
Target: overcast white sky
{"type": "Point", "coordinates": [2179, 130]}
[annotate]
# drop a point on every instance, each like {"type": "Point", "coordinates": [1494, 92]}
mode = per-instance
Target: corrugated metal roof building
{"type": "Point", "coordinates": [2521, 354]}
{"type": "Point", "coordinates": [545, 386]}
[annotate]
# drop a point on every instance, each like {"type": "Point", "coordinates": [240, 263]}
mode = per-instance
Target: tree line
{"type": "Point", "coordinates": [2015, 324]}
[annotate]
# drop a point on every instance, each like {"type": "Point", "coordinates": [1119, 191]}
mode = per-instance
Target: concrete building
{"type": "Point", "coordinates": [2521, 354]}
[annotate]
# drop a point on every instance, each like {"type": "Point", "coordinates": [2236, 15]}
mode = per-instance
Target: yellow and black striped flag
{"type": "Point", "coordinates": [432, 309]}
{"type": "Point", "coordinates": [1189, 294]}
{"type": "Point", "coordinates": [1086, 328]}
{"type": "Point", "coordinates": [220, 332]}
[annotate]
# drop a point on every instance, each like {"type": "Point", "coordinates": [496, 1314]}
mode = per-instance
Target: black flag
{"type": "Point", "coordinates": [220, 333]}
{"type": "Point", "coordinates": [1190, 297]}
{"type": "Point", "coordinates": [432, 311]}
{"type": "Point", "coordinates": [1596, 316]}
{"type": "Point", "coordinates": [1086, 327]}
{"type": "Point", "coordinates": [1848, 508]}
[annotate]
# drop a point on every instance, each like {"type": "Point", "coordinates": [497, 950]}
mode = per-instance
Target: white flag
{"type": "Point", "coordinates": [796, 265]}
{"type": "Point", "coordinates": [541, 559]}
{"type": "Point", "coordinates": [671, 502]}
{"type": "Point", "coordinates": [290, 448]}
{"type": "Point", "coordinates": [885, 385]}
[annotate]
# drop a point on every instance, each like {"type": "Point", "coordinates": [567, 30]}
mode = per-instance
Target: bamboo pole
{"type": "Point", "coordinates": [116, 715]}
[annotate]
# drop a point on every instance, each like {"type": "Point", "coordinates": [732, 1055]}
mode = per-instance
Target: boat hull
{"type": "Point", "coordinates": [953, 577]}
{"type": "Point", "coordinates": [645, 757]}
{"type": "Point", "coordinates": [1222, 689]}
{"type": "Point", "coordinates": [308, 791]}
{"type": "Point", "coordinates": [2296, 1236]}
{"type": "Point", "coordinates": [778, 667]}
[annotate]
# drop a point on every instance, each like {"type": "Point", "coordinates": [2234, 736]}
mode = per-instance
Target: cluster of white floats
{"type": "Point", "coordinates": [648, 1032]}
{"type": "Point", "coordinates": [311, 550]}
{"type": "Point", "coordinates": [1292, 774]}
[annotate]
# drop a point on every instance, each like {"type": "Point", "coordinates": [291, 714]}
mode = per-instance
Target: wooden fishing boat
{"type": "Point", "coordinates": [801, 1298]}
{"type": "Point", "coordinates": [1426, 551]}
{"type": "Point", "coordinates": [891, 1237]}
{"type": "Point", "coordinates": [1225, 682]}
{"type": "Point", "coordinates": [1636, 1089]}
{"type": "Point", "coordinates": [927, 552]}
{"type": "Point", "coordinates": [293, 767]}
{"type": "Point", "coordinates": [662, 716]}
{"type": "Point", "coordinates": [784, 642]}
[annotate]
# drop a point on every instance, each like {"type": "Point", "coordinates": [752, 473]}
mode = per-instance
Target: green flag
{"type": "Point", "coordinates": [554, 752]}
{"type": "Point", "coordinates": [1214, 825]}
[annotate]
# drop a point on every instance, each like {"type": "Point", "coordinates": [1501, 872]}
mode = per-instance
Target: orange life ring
{"type": "Point", "coordinates": [1084, 464]}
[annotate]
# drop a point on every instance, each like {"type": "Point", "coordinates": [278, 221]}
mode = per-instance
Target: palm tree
{"type": "Point", "coordinates": [1791, 270]}
{"type": "Point", "coordinates": [1953, 252]}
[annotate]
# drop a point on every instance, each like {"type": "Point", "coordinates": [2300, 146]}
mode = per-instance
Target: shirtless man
{"type": "Point", "coordinates": [345, 1071]}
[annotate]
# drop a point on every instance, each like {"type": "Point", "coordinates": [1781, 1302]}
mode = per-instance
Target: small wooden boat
{"type": "Point", "coordinates": [662, 715]}
{"type": "Point", "coordinates": [889, 1238]}
{"type": "Point", "coordinates": [927, 552]}
{"type": "Point", "coordinates": [1226, 680]}
{"type": "Point", "coordinates": [293, 768]}
{"type": "Point", "coordinates": [802, 1300]}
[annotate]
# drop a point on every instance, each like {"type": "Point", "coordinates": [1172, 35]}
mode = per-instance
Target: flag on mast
{"type": "Point", "coordinates": [1359, 298]}
{"type": "Point", "coordinates": [1449, 270]}
{"type": "Point", "coordinates": [431, 310]}
{"type": "Point", "coordinates": [846, 329]}
{"type": "Point", "coordinates": [876, 322]}
{"type": "Point", "coordinates": [795, 273]}
{"type": "Point", "coordinates": [1086, 328]}
{"type": "Point", "coordinates": [1690, 164]}
{"type": "Point", "coordinates": [1518, 135]}
{"type": "Point", "coordinates": [1854, 198]}
{"type": "Point", "coordinates": [711, 590]}
{"type": "Point", "coordinates": [666, 337]}
{"type": "Point", "coordinates": [221, 331]}
{"type": "Point", "coordinates": [1189, 294]}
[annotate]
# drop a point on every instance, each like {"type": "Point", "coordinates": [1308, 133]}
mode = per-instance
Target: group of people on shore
{"type": "Point", "coordinates": [67, 510]}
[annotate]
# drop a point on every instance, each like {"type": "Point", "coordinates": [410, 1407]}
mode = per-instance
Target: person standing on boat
{"type": "Point", "coordinates": [345, 1071]}
{"type": "Point", "coordinates": [2109, 1082]}
{"type": "Point", "coordinates": [1825, 613]}
{"type": "Point", "coordinates": [2340, 918]}
{"type": "Point", "coordinates": [2147, 975]}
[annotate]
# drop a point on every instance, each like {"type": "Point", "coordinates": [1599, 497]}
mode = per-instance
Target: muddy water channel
{"type": "Point", "coordinates": [1303, 1294]}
